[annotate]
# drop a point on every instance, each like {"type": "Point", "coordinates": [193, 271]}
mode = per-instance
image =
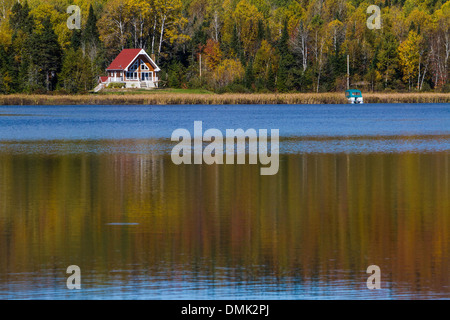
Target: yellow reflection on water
{"type": "Point", "coordinates": [323, 218]}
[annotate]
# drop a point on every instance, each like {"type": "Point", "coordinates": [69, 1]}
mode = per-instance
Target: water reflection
{"type": "Point", "coordinates": [141, 227]}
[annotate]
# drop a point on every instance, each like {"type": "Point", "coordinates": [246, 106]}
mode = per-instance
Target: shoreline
{"type": "Point", "coordinates": [161, 98]}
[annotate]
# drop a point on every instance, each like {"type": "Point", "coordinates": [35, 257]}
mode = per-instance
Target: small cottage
{"type": "Point", "coordinates": [134, 68]}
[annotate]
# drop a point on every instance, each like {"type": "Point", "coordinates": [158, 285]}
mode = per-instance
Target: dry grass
{"type": "Point", "coordinates": [231, 98]}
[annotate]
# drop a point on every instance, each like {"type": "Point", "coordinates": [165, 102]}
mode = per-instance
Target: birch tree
{"type": "Point", "coordinates": [170, 18]}
{"type": "Point", "coordinates": [300, 44]}
{"type": "Point", "coordinates": [114, 25]}
{"type": "Point", "coordinates": [409, 55]}
{"type": "Point", "coordinates": [443, 43]}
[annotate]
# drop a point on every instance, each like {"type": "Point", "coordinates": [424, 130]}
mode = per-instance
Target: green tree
{"type": "Point", "coordinates": [76, 72]}
{"type": "Point", "coordinates": [5, 71]}
{"type": "Point", "coordinates": [270, 83]}
{"type": "Point", "coordinates": [91, 36]}
{"type": "Point", "coordinates": [257, 33]}
{"type": "Point", "coordinates": [249, 77]}
{"type": "Point", "coordinates": [46, 54]}
{"type": "Point", "coordinates": [93, 47]}
{"type": "Point", "coordinates": [284, 76]}
{"type": "Point", "coordinates": [22, 24]}
{"type": "Point", "coordinates": [236, 45]}
{"type": "Point", "coordinates": [20, 18]}
{"type": "Point", "coordinates": [176, 74]}
{"type": "Point", "coordinates": [76, 39]}
{"type": "Point", "coordinates": [387, 59]}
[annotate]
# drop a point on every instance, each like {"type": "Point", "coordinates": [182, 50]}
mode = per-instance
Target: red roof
{"type": "Point", "coordinates": [124, 58]}
{"type": "Point", "coordinates": [103, 79]}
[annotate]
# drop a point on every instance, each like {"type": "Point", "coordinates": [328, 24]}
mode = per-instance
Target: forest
{"type": "Point", "coordinates": [229, 45]}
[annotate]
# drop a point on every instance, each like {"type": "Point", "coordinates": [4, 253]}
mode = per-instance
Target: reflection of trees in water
{"type": "Point", "coordinates": [323, 216]}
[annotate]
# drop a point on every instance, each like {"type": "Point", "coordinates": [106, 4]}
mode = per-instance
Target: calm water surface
{"type": "Point", "coordinates": [95, 186]}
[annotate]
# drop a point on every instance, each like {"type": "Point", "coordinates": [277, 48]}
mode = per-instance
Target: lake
{"type": "Point", "coordinates": [95, 186]}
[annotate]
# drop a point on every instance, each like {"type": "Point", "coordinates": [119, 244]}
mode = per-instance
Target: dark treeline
{"type": "Point", "coordinates": [231, 45]}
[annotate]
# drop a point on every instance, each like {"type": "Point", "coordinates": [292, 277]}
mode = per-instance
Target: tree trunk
{"type": "Point", "coordinates": [216, 25]}
{"type": "Point", "coordinates": [153, 36]}
{"type": "Point", "coordinates": [141, 26]}
{"type": "Point", "coordinates": [304, 39]}
{"type": "Point", "coordinates": [163, 20]}
{"type": "Point", "coordinates": [423, 77]}
{"type": "Point", "coordinates": [418, 78]}
{"type": "Point", "coordinates": [122, 42]}
{"type": "Point", "coordinates": [318, 83]}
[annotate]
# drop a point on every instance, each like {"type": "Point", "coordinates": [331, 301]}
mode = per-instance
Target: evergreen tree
{"type": "Point", "coordinates": [270, 84]}
{"type": "Point", "coordinates": [76, 39]}
{"type": "Point", "coordinates": [387, 64]}
{"type": "Point", "coordinates": [90, 32]}
{"type": "Point", "coordinates": [175, 75]}
{"type": "Point", "coordinates": [93, 48]}
{"type": "Point", "coordinates": [5, 78]}
{"type": "Point", "coordinates": [374, 55]}
{"type": "Point", "coordinates": [284, 81]}
{"type": "Point", "coordinates": [75, 74]}
{"type": "Point", "coordinates": [236, 45]}
{"type": "Point", "coordinates": [21, 23]}
{"type": "Point", "coordinates": [268, 35]}
{"type": "Point", "coordinates": [249, 77]}
{"type": "Point", "coordinates": [45, 53]}
{"type": "Point", "coordinates": [20, 18]}
{"type": "Point", "coordinates": [261, 31]}
{"type": "Point", "coordinates": [335, 67]}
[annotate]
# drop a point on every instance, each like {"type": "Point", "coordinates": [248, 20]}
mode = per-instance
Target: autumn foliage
{"type": "Point", "coordinates": [230, 45]}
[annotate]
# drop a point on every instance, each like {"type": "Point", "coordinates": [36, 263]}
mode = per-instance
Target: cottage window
{"type": "Point", "coordinates": [131, 75]}
{"type": "Point", "coordinates": [143, 66]}
{"type": "Point", "coordinates": [134, 66]}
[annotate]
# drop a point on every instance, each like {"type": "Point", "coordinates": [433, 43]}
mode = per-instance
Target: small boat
{"type": "Point", "coordinates": [354, 96]}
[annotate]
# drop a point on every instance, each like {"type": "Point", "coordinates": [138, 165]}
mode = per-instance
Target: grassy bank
{"type": "Point", "coordinates": [161, 98]}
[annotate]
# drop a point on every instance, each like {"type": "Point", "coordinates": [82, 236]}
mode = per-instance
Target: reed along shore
{"type": "Point", "coordinates": [161, 98]}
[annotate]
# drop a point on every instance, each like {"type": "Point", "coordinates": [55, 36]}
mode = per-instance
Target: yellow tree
{"type": "Point", "coordinates": [399, 22]}
{"type": "Point", "coordinates": [214, 11]}
{"type": "Point", "coordinates": [355, 43]}
{"type": "Point", "coordinates": [419, 17]}
{"type": "Point", "coordinates": [138, 12]}
{"type": "Point", "coordinates": [58, 20]}
{"type": "Point", "coordinates": [265, 58]}
{"type": "Point", "coordinates": [422, 21]}
{"type": "Point", "coordinates": [113, 25]}
{"type": "Point", "coordinates": [409, 55]}
{"type": "Point", "coordinates": [171, 19]}
{"type": "Point", "coordinates": [336, 34]}
{"type": "Point", "coordinates": [227, 72]}
{"type": "Point", "coordinates": [5, 8]}
{"type": "Point", "coordinates": [263, 6]}
{"type": "Point", "coordinates": [5, 32]}
{"type": "Point", "coordinates": [335, 9]}
{"type": "Point", "coordinates": [246, 17]}
{"type": "Point", "coordinates": [153, 18]}
{"type": "Point", "coordinates": [227, 10]}
{"type": "Point", "coordinates": [292, 14]}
